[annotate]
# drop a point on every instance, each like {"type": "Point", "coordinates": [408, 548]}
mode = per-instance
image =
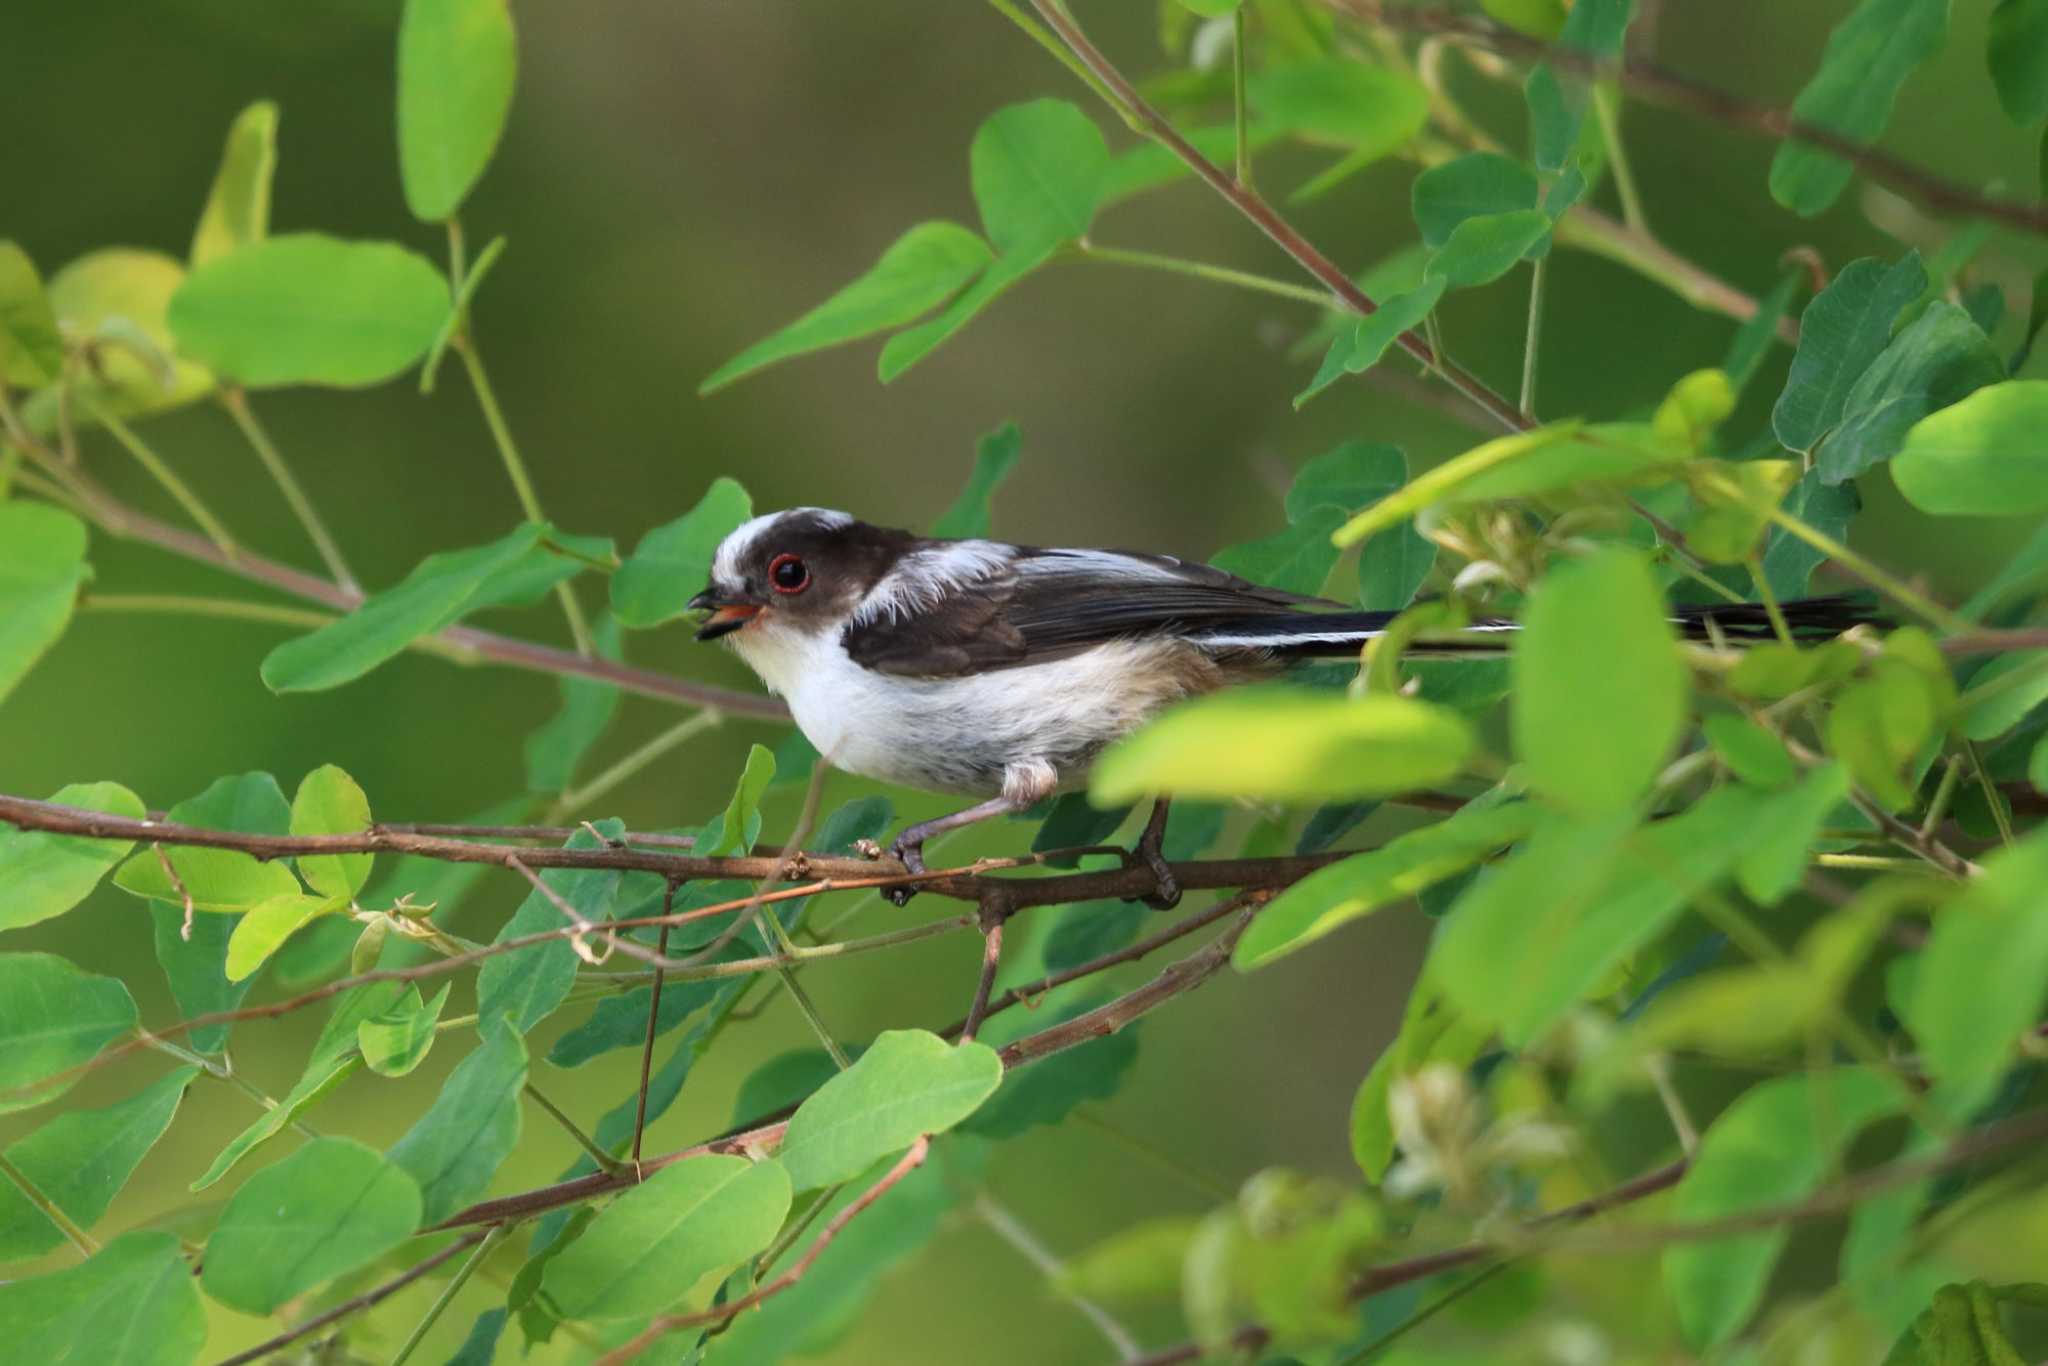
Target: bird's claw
{"type": "Point", "coordinates": [911, 856]}
{"type": "Point", "coordinates": [1165, 893]}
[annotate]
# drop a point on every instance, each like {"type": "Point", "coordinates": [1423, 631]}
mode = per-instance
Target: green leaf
{"type": "Point", "coordinates": [1962, 1326]}
{"type": "Point", "coordinates": [80, 1160]}
{"type": "Point", "coordinates": [194, 960]}
{"type": "Point", "coordinates": [332, 1206]}
{"type": "Point", "coordinates": [1981, 457]}
{"type": "Point", "coordinates": [741, 819]}
{"type": "Point", "coordinates": [816, 1312]}
{"type": "Point", "coordinates": [44, 875]}
{"type": "Point", "coordinates": [328, 802]}
{"type": "Point", "coordinates": [1285, 744]}
{"type": "Point", "coordinates": [1359, 347]}
{"type": "Point", "coordinates": [1937, 359]}
{"type": "Point", "coordinates": [1787, 824]}
{"type": "Point", "coordinates": [1868, 57]}
{"type": "Point", "coordinates": [396, 1040]}
{"type": "Point", "coordinates": [913, 344]}
{"type": "Point", "coordinates": [1355, 475]}
{"type": "Point", "coordinates": [1296, 560]}
{"type": "Point", "coordinates": [1481, 250]}
{"type": "Point", "coordinates": [54, 1016]}
{"type": "Point", "coordinates": [908, 1083]}
{"type": "Point", "coordinates": [1039, 171]}
{"type": "Point", "coordinates": [1430, 1032]}
{"type": "Point", "coordinates": [1047, 1091]}
{"type": "Point", "coordinates": [2017, 52]}
{"type": "Point", "coordinates": [1599, 691]}
{"type": "Point", "coordinates": [1982, 974]}
{"type": "Point", "coordinates": [333, 1061]}
{"type": "Point", "coordinates": [1993, 716]}
{"type": "Point", "coordinates": [42, 569]}
{"type": "Point", "coordinates": [218, 879]}
{"type": "Point", "coordinates": [1476, 185]}
{"type": "Point", "coordinates": [1369, 109]}
{"type": "Point", "coordinates": [458, 311]}
{"type": "Point", "coordinates": [263, 928]}
{"type": "Point", "coordinates": [480, 1348]}
{"type": "Point", "coordinates": [1332, 897]}
{"type": "Point", "coordinates": [673, 562]}
{"type": "Point", "coordinates": [457, 60]}
{"type": "Point", "coordinates": [117, 296]}
{"type": "Point", "coordinates": [1211, 9]}
{"type": "Point", "coordinates": [994, 454]}
{"type": "Point", "coordinates": [132, 1304]}
{"type": "Point", "coordinates": [1749, 751]}
{"type": "Point", "coordinates": [1538, 18]}
{"type": "Point", "coordinates": [620, 1021]}
{"type": "Point", "coordinates": [472, 1126]}
{"type": "Point", "coordinates": [1752, 341]}
{"type": "Point", "coordinates": [435, 595]}
{"type": "Point", "coordinates": [648, 1248]}
{"type": "Point", "coordinates": [31, 351]}
{"type": "Point", "coordinates": [1773, 1145]}
{"type": "Point", "coordinates": [1139, 1264]}
{"type": "Point", "coordinates": [1788, 561]}
{"type": "Point", "coordinates": [588, 705]}
{"type": "Point", "coordinates": [1845, 329]}
{"type": "Point", "coordinates": [1690, 412]}
{"type": "Point", "coordinates": [1595, 29]}
{"type": "Point", "coordinates": [306, 308]}
{"type": "Point", "coordinates": [783, 1081]}
{"type": "Point", "coordinates": [1736, 499]}
{"type": "Point", "coordinates": [237, 208]}
{"type": "Point", "coordinates": [526, 985]}
{"type": "Point", "coordinates": [1492, 457]}
{"type": "Point", "coordinates": [1545, 926]}
{"type": "Point", "coordinates": [923, 268]}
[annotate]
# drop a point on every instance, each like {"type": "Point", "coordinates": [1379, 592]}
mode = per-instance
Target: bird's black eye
{"type": "Point", "coordinates": [789, 574]}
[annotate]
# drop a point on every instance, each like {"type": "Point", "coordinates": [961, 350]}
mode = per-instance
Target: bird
{"type": "Point", "coordinates": [984, 669]}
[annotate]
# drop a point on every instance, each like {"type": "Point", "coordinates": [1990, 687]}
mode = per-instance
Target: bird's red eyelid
{"type": "Point", "coordinates": [775, 568]}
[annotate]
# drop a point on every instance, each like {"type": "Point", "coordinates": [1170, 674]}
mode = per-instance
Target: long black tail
{"type": "Point", "coordinates": [1308, 635]}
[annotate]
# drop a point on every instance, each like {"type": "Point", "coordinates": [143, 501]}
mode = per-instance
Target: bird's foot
{"type": "Point", "coordinates": [1165, 894]}
{"type": "Point", "coordinates": [911, 856]}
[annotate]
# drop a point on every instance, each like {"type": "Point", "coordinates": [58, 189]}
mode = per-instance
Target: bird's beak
{"type": "Point", "coordinates": [728, 613]}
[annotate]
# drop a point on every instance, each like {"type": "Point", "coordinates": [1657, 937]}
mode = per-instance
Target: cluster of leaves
{"type": "Point", "coordinates": [1715, 837]}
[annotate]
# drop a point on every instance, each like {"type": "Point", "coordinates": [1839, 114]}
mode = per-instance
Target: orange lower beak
{"type": "Point", "coordinates": [726, 619]}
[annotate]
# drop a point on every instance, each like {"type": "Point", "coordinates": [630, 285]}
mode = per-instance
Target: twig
{"type": "Point", "coordinates": [992, 917]}
{"type": "Point", "coordinates": [361, 1302]}
{"type": "Point", "coordinates": [76, 1236]}
{"type": "Point", "coordinates": [1011, 1230]}
{"type": "Point", "coordinates": [669, 1323]}
{"type": "Point", "coordinates": [668, 902]}
{"type": "Point", "coordinates": [591, 1147]}
{"type": "Point", "coordinates": [447, 1296]}
{"type": "Point", "coordinates": [237, 403]}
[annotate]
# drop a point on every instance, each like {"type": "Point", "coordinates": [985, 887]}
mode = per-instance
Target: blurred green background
{"type": "Point", "coordinates": [677, 180]}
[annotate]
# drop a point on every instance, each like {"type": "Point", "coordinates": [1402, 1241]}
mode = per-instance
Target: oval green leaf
{"type": "Point", "coordinates": [328, 802]}
{"type": "Point", "coordinates": [307, 308]}
{"type": "Point", "coordinates": [1285, 744]}
{"type": "Point", "coordinates": [457, 60]}
{"type": "Point", "coordinates": [54, 1016]}
{"type": "Point", "coordinates": [330, 1207]}
{"type": "Point", "coordinates": [1039, 171]}
{"type": "Point", "coordinates": [237, 209]}
{"type": "Point", "coordinates": [910, 1082]}
{"type": "Point", "coordinates": [44, 875]}
{"type": "Point", "coordinates": [132, 1304]}
{"type": "Point", "coordinates": [648, 1248]}
{"type": "Point", "coordinates": [673, 562]}
{"type": "Point", "coordinates": [1982, 457]}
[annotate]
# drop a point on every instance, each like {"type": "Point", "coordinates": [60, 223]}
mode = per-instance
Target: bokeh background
{"type": "Point", "coordinates": [678, 179]}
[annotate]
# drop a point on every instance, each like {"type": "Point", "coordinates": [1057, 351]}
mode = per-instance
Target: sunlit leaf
{"type": "Point", "coordinates": [457, 60]}
{"type": "Point", "coordinates": [224, 880]}
{"type": "Point", "coordinates": [54, 1016]}
{"type": "Point", "coordinates": [1774, 1144]}
{"type": "Point", "coordinates": [80, 1160]}
{"type": "Point", "coordinates": [1981, 457]}
{"type": "Point", "coordinates": [133, 1303]}
{"type": "Point", "coordinates": [1285, 744]}
{"type": "Point", "coordinates": [328, 802]}
{"type": "Point", "coordinates": [115, 300]}
{"type": "Point", "coordinates": [646, 1249]}
{"type": "Point", "coordinates": [264, 927]}
{"type": "Point", "coordinates": [1599, 691]}
{"type": "Point", "coordinates": [1749, 751]}
{"type": "Point", "coordinates": [908, 1083]}
{"type": "Point", "coordinates": [397, 1040]}
{"type": "Point", "coordinates": [44, 875]}
{"type": "Point", "coordinates": [330, 1207]}
{"type": "Point", "coordinates": [31, 353]}
{"type": "Point", "coordinates": [42, 569]}
{"type": "Point", "coordinates": [1868, 57]}
{"type": "Point", "coordinates": [237, 210]}
{"type": "Point", "coordinates": [1449, 477]}
{"type": "Point", "coordinates": [921, 270]}
{"type": "Point", "coordinates": [1038, 171]}
{"type": "Point", "coordinates": [1372, 110]}
{"type": "Point", "coordinates": [1846, 328]}
{"type": "Point", "coordinates": [672, 563]}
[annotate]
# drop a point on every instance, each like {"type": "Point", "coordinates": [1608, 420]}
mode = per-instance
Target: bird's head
{"type": "Point", "coordinates": [804, 569]}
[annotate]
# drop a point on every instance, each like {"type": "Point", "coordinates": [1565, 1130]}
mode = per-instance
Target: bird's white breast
{"type": "Point", "coordinates": [962, 734]}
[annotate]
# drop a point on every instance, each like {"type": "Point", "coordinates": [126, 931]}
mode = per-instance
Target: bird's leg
{"type": "Point", "coordinates": [1166, 887]}
{"type": "Point", "coordinates": [909, 846]}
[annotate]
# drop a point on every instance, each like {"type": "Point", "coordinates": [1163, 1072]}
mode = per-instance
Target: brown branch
{"type": "Point", "coordinates": [1647, 80]}
{"type": "Point", "coordinates": [668, 901]}
{"type": "Point", "coordinates": [1263, 216]}
{"type": "Point", "coordinates": [993, 915]}
{"type": "Point", "coordinates": [669, 1323]}
{"type": "Point", "coordinates": [366, 1300]}
{"type": "Point", "coordinates": [520, 654]}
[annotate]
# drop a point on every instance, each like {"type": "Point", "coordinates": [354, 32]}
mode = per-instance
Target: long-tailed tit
{"type": "Point", "coordinates": [1001, 671]}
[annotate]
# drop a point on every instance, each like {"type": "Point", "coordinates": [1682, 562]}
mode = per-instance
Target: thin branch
{"type": "Point", "coordinates": [1647, 80]}
{"type": "Point", "coordinates": [366, 1300]}
{"type": "Point", "coordinates": [992, 917]}
{"type": "Point", "coordinates": [668, 902]}
{"type": "Point", "coordinates": [237, 403]}
{"type": "Point", "coordinates": [1011, 1230]}
{"type": "Point", "coordinates": [449, 1292]}
{"type": "Point", "coordinates": [591, 1147]}
{"type": "Point", "coordinates": [669, 1323]}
